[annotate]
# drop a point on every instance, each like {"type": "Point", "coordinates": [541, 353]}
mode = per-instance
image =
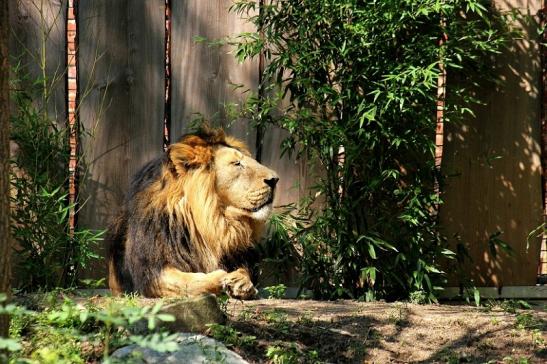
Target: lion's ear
{"type": "Point", "coordinates": [191, 152]}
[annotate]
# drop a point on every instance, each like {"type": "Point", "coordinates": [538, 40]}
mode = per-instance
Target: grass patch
{"type": "Point", "coordinates": [230, 336]}
{"type": "Point", "coordinates": [64, 331]}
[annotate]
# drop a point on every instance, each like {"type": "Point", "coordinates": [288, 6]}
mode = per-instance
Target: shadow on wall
{"type": "Point", "coordinates": [494, 168]}
{"type": "Point", "coordinates": [206, 78]}
{"type": "Point", "coordinates": [121, 70]}
{"type": "Point", "coordinates": [34, 25]}
{"type": "Point", "coordinates": [122, 83]}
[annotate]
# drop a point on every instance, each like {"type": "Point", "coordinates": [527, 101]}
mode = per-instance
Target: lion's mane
{"type": "Point", "coordinates": [172, 216]}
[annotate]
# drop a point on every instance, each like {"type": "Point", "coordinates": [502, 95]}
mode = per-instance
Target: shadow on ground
{"type": "Point", "coordinates": [355, 332]}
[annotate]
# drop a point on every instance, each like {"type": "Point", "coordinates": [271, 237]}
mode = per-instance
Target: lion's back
{"type": "Point", "coordinates": [128, 224]}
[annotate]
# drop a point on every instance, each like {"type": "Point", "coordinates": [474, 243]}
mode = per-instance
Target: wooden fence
{"type": "Point", "coordinates": [124, 47]}
{"type": "Point", "coordinates": [494, 165]}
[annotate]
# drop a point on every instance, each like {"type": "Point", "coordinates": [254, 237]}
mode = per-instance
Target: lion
{"type": "Point", "coordinates": [190, 220]}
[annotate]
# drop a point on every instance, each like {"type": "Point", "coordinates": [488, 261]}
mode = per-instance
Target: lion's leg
{"type": "Point", "coordinates": [113, 283]}
{"type": "Point", "coordinates": [174, 282]}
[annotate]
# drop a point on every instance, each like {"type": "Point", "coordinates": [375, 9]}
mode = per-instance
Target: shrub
{"type": "Point", "coordinates": [48, 255]}
{"type": "Point", "coordinates": [67, 332]}
{"type": "Point", "coordinates": [276, 292]}
{"type": "Point", "coordinates": [355, 85]}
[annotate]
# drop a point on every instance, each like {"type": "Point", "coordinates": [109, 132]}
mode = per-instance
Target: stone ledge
{"type": "Point", "coordinates": [192, 349]}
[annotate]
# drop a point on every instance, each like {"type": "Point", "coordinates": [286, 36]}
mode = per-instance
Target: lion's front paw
{"type": "Point", "coordinates": [238, 285]}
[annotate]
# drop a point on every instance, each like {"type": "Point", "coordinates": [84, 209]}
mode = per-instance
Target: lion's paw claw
{"type": "Point", "coordinates": [237, 284]}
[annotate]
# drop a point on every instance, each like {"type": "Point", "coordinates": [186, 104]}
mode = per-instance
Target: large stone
{"type": "Point", "coordinates": [191, 314]}
{"type": "Point", "coordinates": [194, 314]}
{"type": "Point", "coordinates": [192, 349]}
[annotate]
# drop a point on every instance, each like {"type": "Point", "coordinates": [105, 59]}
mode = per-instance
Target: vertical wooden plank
{"type": "Point", "coordinates": [121, 68]}
{"type": "Point", "coordinates": [496, 160]}
{"type": "Point", "coordinates": [542, 268]}
{"type": "Point", "coordinates": [38, 37]}
{"type": "Point", "coordinates": [147, 81]}
{"type": "Point", "coordinates": [5, 234]}
{"type": "Point", "coordinates": [203, 77]}
{"type": "Point", "coordinates": [103, 111]}
{"type": "Point", "coordinates": [294, 174]}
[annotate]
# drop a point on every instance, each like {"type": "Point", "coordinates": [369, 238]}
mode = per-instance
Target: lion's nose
{"type": "Point", "coordinates": [271, 181]}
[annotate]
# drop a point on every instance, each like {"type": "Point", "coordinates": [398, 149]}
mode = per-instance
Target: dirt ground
{"type": "Point", "coordinates": [358, 332]}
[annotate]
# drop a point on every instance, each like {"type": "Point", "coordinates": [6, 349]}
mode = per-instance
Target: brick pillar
{"type": "Point", "coordinates": [72, 88]}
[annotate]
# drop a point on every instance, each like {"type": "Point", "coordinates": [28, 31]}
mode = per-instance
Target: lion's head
{"type": "Point", "coordinates": [213, 163]}
{"type": "Point", "coordinates": [243, 184]}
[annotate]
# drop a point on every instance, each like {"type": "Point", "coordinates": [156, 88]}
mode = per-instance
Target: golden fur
{"type": "Point", "coordinates": [191, 216]}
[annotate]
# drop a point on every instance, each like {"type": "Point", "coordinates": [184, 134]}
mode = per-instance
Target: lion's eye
{"type": "Point", "coordinates": [237, 163]}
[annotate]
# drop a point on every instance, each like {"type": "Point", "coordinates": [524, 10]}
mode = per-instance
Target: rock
{"type": "Point", "coordinates": [194, 314]}
{"type": "Point", "coordinates": [193, 348]}
{"type": "Point", "coordinates": [191, 314]}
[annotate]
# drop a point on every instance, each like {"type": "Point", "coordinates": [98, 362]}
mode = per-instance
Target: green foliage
{"type": "Point", "coordinates": [277, 247]}
{"type": "Point", "coordinates": [158, 341]}
{"type": "Point", "coordinates": [536, 233]}
{"type": "Point", "coordinates": [277, 291]}
{"type": "Point", "coordinates": [418, 297]}
{"type": "Point", "coordinates": [222, 300]}
{"type": "Point", "coordinates": [48, 255]}
{"type": "Point", "coordinates": [8, 345]}
{"type": "Point", "coordinates": [281, 355]}
{"type": "Point", "coordinates": [509, 306]}
{"type": "Point", "coordinates": [399, 316]}
{"type": "Point", "coordinates": [535, 325]}
{"type": "Point", "coordinates": [355, 85]}
{"type": "Point", "coordinates": [278, 320]}
{"type": "Point", "coordinates": [67, 332]}
{"type": "Point", "coordinates": [527, 321]}
{"type": "Point", "coordinates": [290, 354]}
{"type": "Point", "coordinates": [496, 245]}
{"type": "Point", "coordinates": [517, 360]}
{"type": "Point", "coordinates": [230, 336]}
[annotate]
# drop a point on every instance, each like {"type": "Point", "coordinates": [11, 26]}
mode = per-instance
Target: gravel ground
{"type": "Point", "coordinates": [358, 332]}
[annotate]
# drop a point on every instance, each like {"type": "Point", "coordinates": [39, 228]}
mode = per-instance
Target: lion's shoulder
{"type": "Point", "coordinates": [145, 176]}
